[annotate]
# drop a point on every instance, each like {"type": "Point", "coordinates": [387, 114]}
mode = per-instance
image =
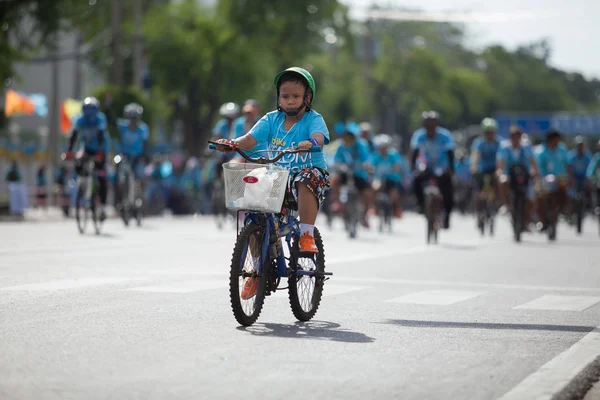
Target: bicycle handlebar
{"type": "Point", "coordinates": [263, 160]}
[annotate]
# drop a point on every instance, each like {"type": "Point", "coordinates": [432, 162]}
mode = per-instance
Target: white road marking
{"type": "Point", "coordinates": [333, 290]}
{"type": "Point", "coordinates": [560, 303]}
{"type": "Point", "coordinates": [463, 284]}
{"type": "Point", "coordinates": [183, 287]}
{"type": "Point", "coordinates": [435, 297]}
{"type": "Point", "coordinates": [404, 251]}
{"type": "Point", "coordinates": [556, 374]}
{"type": "Point", "coordinates": [66, 284]}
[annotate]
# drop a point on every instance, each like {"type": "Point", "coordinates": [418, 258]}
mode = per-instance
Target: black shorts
{"type": "Point", "coordinates": [359, 183]}
{"type": "Point", "coordinates": [481, 177]}
{"type": "Point", "coordinates": [389, 185]}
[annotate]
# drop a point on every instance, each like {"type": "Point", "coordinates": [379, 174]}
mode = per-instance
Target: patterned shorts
{"type": "Point", "coordinates": [317, 181]}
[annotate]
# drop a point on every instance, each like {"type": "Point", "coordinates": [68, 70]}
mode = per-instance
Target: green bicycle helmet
{"type": "Point", "coordinates": [306, 76]}
{"type": "Point", "coordinates": [489, 125]}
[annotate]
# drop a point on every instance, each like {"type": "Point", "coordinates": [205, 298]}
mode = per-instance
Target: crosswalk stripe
{"type": "Point", "coordinates": [62, 284]}
{"type": "Point", "coordinates": [183, 287]}
{"type": "Point", "coordinates": [560, 303]}
{"type": "Point", "coordinates": [331, 290]}
{"type": "Point", "coordinates": [436, 297]}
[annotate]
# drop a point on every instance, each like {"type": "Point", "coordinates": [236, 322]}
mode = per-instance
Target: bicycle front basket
{"type": "Point", "coordinates": [254, 187]}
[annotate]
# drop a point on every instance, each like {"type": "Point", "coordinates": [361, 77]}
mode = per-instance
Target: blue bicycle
{"type": "Point", "coordinates": [259, 188]}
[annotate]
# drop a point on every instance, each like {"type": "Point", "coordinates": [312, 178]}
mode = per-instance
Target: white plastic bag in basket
{"type": "Point", "coordinates": [256, 194]}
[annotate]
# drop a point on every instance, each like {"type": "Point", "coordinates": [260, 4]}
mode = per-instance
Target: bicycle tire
{"type": "Point", "coordinates": [518, 210]}
{"type": "Point", "coordinates": [81, 224]}
{"type": "Point", "coordinates": [579, 215]}
{"type": "Point", "coordinates": [295, 303]}
{"type": "Point", "coordinates": [237, 259]}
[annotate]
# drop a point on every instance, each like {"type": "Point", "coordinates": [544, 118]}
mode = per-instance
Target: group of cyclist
{"type": "Point", "coordinates": [90, 135]}
{"type": "Point", "coordinates": [575, 171]}
{"type": "Point", "coordinates": [373, 161]}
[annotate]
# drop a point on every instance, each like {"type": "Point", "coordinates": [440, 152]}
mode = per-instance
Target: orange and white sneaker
{"type": "Point", "coordinates": [307, 244]}
{"type": "Point", "coordinates": [250, 288]}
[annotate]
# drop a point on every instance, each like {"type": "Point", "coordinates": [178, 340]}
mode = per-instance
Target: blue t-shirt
{"type": "Point", "coordinates": [552, 162]}
{"type": "Point", "coordinates": [433, 151]}
{"type": "Point", "coordinates": [594, 166]}
{"type": "Point", "coordinates": [87, 131]}
{"type": "Point", "coordinates": [269, 131]}
{"type": "Point", "coordinates": [579, 163]}
{"type": "Point", "coordinates": [487, 153]}
{"type": "Point", "coordinates": [511, 156]}
{"type": "Point", "coordinates": [132, 141]}
{"type": "Point", "coordinates": [392, 166]}
{"type": "Point", "coordinates": [462, 169]}
{"type": "Point", "coordinates": [354, 156]}
{"type": "Point", "coordinates": [223, 130]}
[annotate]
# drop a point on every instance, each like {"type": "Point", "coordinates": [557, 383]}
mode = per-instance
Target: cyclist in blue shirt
{"type": "Point", "coordinates": [578, 161]}
{"type": "Point", "coordinates": [390, 170]}
{"type": "Point", "coordinates": [483, 157]}
{"type": "Point", "coordinates": [250, 116]}
{"type": "Point", "coordinates": [354, 154]}
{"type": "Point", "coordinates": [225, 127]}
{"type": "Point", "coordinates": [91, 130]}
{"type": "Point", "coordinates": [593, 174]}
{"type": "Point", "coordinates": [593, 169]}
{"type": "Point", "coordinates": [242, 125]}
{"type": "Point", "coordinates": [433, 146]}
{"type": "Point", "coordinates": [134, 135]}
{"type": "Point", "coordinates": [552, 160]}
{"type": "Point", "coordinates": [517, 151]}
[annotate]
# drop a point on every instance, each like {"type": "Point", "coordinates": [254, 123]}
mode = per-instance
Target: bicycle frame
{"type": "Point", "coordinates": [286, 231]}
{"type": "Point", "coordinates": [88, 180]}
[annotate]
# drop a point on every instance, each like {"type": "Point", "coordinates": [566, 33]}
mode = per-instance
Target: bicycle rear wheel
{"type": "Point", "coordinates": [96, 219]}
{"type": "Point", "coordinates": [81, 210]}
{"type": "Point", "coordinates": [305, 291]}
{"type": "Point", "coordinates": [245, 264]}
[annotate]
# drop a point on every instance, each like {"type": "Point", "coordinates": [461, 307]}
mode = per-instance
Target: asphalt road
{"type": "Point", "coordinates": [143, 313]}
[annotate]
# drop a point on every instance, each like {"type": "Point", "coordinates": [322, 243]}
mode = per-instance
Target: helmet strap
{"type": "Point", "coordinates": [293, 113]}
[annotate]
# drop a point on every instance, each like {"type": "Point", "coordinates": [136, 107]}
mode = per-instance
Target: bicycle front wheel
{"type": "Point", "coordinates": [305, 291]}
{"type": "Point", "coordinates": [247, 278]}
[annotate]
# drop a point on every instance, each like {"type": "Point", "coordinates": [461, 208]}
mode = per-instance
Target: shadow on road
{"type": "Point", "coordinates": [485, 325]}
{"type": "Point", "coordinates": [319, 330]}
{"type": "Point", "coordinates": [558, 243]}
{"type": "Point", "coordinates": [107, 235]}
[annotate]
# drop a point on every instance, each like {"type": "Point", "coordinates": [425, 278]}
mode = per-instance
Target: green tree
{"type": "Point", "coordinates": [200, 61]}
{"type": "Point", "coordinates": [288, 30]}
{"type": "Point", "coordinates": [25, 26]}
{"type": "Point", "coordinates": [119, 97]}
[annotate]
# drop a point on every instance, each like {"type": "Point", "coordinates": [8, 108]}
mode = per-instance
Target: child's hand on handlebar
{"type": "Point", "coordinates": [226, 146]}
{"type": "Point", "coordinates": [305, 145]}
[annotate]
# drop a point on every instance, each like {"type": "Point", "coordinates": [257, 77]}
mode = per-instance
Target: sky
{"type": "Point", "coordinates": [572, 27]}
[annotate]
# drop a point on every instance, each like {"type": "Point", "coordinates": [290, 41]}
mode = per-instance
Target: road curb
{"type": "Point", "coordinates": [586, 382]}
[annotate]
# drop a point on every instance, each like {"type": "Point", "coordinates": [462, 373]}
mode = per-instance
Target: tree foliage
{"type": "Point", "coordinates": [379, 70]}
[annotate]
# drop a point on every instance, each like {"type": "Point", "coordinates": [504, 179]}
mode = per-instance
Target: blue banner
{"type": "Point", "coordinates": [537, 124]}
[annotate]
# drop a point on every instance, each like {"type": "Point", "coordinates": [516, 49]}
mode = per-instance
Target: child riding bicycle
{"type": "Point", "coordinates": [294, 124]}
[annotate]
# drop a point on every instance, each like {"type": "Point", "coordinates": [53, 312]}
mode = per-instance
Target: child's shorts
{"type": "Point", "coordinates": [317, 181]}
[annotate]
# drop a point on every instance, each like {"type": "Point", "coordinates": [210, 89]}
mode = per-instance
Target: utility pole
{"type": "Point", "coordinates": [78, 73]}
{"type": "Point", "coordinates": [117, 56]}
{"type": "Point", "coordinates": [138, 62]}
{"type": "Point", "coordinates": [53, 144]}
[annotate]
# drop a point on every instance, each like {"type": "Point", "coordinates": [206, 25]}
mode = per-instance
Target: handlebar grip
{"type": "Point", "coordinates": [315, 149]}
